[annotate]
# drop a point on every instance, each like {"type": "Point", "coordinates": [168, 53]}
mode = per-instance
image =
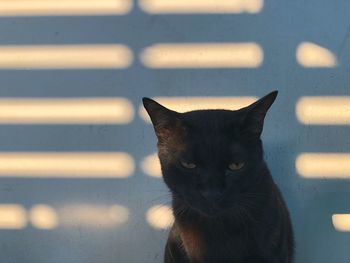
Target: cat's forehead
{"type": "Point", "coordinates": [213, 131]}
{"type": "Point", "coordinates": [211, 120]}
{"type": "Point", "coordinates": [213, 146]}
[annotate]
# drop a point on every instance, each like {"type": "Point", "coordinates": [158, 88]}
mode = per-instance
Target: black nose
{"type": "Point", "coordinates": [212, 195]}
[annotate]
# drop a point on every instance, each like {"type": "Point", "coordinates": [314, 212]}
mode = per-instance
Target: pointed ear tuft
{"type": "Point", "coordinates": [159, 114]}
{"type": "Point", "coordinates": [256, 112]}
{"type": "Point", "coordinates": [166, 122]}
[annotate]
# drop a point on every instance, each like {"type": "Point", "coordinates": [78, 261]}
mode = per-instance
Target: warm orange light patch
{"type": "Point", "coordinates": [93, 215]}
{"type": "Point", "coordinates": [314, 56]}
{"type": "Point", "coordinates": [201, 6]}
{"type": "Point", "coordinates": [66, 165]}
{"type": "Point", "coordinates": [341, 222]}
{"type": "Point", "coordinates": [324, 110]}
{"type": "Point", "coordinates": [323, 165]}
{"type": "Point", "coordinates": [204, 55]}
{"type": "Point", "coordinates": [64, 7]}
{"type": "Point", "coordinates": [43, 217]}
{"type": "Point", "coordinates": [66, 111]}
{"type": "Point", "coordinates": [12, 216]}
{"type": "Point", "coordinates": [160, 217]}
{"type": "Point", "coordinates": [65, 57]}
{"type": "Point", "coordinates": [150, 165]}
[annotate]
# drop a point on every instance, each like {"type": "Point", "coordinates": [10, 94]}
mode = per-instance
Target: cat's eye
{"type": "Point", "coordinates": [188, 165]}
{"type": "Point", "coordinates": [236, 166]}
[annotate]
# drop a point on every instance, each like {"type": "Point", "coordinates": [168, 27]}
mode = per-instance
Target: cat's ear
{"type": "Point", "coordinates": [166, 122]}
{"type": "Point", "coordinates": [255, 114]}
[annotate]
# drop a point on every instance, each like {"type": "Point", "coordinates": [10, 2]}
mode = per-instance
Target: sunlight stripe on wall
{"type": "Point", "coordinates": [201, 6]}
{"type": "Point", "coordinates": [150, 165]}
{"type": "Point", "coordinates": [93, 215]}
{"type": "Point", "coordinates": [12, 216]}
{"type": "Point", "coordinates": [183, 104]}
{"type": "Point", "coordinates": [43, 217]}
{"type": "Point", "coordinates": [86, 56]}
{"type": "Point", "coordinates": [341, 222]}
{"type": "Point", "coordinates": [160, 217]}
{"type": "Point", "coordinates": [323, 165]}
{"type": "Point", "coordinates": [66, 164]}
{"type": "Point", "coordinates": [324, 110]}
{"type": "Point", "coordinates": [204, 55]}
{"type": "Point", "coordinates": [64, 7]}
{"type": "Point", "coordinates": [66, 111]}
{"type": "Point", "coordinates": [46, 217]}
{"type": "Point", "coordinates": [311, 55]}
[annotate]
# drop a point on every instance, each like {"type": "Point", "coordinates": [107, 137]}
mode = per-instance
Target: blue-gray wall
{"type": "Point", "coordinates": [278, 28]}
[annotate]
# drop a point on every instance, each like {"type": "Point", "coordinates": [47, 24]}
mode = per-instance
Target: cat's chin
{"type": "Point", "coordinates": [206, 211]}
{"type": "Point", "coordinates": [196, 206]}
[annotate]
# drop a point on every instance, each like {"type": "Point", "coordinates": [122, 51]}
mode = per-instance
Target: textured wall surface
{"type": "Point", "coordinates": [99, 219]}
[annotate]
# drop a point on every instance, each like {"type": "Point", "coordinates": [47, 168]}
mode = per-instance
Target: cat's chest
{"type": "Point", "coordinates": [214, 244]}
{"type": "Point", "coordinates": [192, 241]}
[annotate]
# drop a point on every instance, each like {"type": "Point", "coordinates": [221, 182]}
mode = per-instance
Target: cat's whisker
{"type": "Point", "coordinates": [163, 200]}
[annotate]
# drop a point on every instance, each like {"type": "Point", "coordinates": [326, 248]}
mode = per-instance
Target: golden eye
{"type": "Point", "coordinates": [188, 165]}
{"type": "Point", "coordinates": [236, 166]}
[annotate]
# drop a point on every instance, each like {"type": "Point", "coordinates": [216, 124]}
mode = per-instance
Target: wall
{"type": "Point", "coordinates": [92, 211]}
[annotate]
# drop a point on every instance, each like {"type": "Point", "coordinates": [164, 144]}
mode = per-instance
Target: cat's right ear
{"type": "Point", "coordinates": [255, 114]}
{"type": "Point", "coordinates": [165, 122]}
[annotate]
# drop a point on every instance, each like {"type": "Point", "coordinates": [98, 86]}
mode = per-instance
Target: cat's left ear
{"type": "Point", "coordinates": [255, 114]}
{"type": "Point", "coordinates": [166, 122]}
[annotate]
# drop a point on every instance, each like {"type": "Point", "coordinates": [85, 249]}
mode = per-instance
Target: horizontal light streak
{"type": "Point", "coordinates": [12, 216]}
{"type": "Point", "coordinates": [160, 217]}
{"type": "Point", "coordinates": [64, 7]}
{"type": "Point", "coordinates": [204, 55]}
{"type": "Point", "coordinates": [66, 111]}
{"type": "Point", "coordinates": [183, 104]}
{"type": "Point", "coordinates": [90, 215]}
{"type": "Point", "coordinates": [201, 6]}
{"type": "Point", "coordinates": [324, 110]}
{"type": "Point", "coordinates": [110, 56]}
{"type": "Point", "coordinates": [66, 165]}
{"type": "Point", "coordinates": [150, 165]}
{"type": "Point", "coordinates": [311, 55]}
{"type": "Point", "coordinates": [324, 165]}
{"type": "Point", "coordinates": [43, 217]}
{"type": "Point", "coordinates": [341, 222]}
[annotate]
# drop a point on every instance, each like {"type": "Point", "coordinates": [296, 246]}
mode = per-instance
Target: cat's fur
{"type": "Point", "coordinates": [221, 216]}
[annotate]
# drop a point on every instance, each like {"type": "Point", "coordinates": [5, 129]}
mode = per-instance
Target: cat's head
{"type": "Point", "coordinates": [209, 157]}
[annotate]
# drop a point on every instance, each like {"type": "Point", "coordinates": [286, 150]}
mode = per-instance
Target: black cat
{"type": "Point", "coordinates": [226, 205]}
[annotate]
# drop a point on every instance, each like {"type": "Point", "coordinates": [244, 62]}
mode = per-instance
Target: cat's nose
{"type": "Point", "coordinates": [212, 195]}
